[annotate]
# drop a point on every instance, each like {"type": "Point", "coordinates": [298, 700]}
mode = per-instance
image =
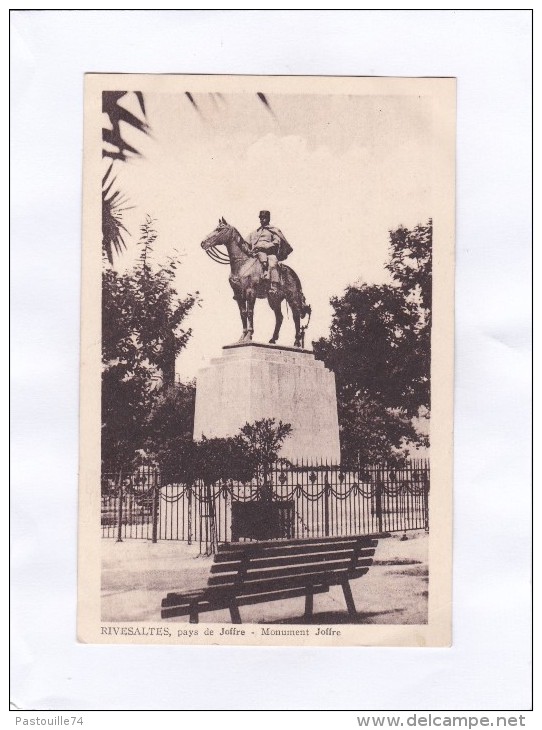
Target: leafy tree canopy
{"type": "Point", "coordinates": [411, 263]}
{"type": "Point", "coordinates": [142, 333]}
{"type": "Point", "coordinates": [373, 347]}
{"type": "Point", "coordinates": [379, 350]}
{"type": "Point", "coordinates": [242, 457]}
{"type": "Point", "coordinates": [263, 439]}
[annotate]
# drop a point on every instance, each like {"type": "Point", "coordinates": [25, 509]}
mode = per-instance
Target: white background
{"type": "Point", "coordinates": [489, 52]}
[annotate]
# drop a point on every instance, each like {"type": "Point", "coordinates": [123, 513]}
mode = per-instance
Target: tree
{"type": "Point", "coordinates": [248, 454]}
{"type": "Point", "coordinates": [126, 401]}
{"type": "Point", "coordinates": [113, 206]}
{"type": "Point", "coordinates": [264, 438]}
{"type": "Point", "coordinates": [262, 441]}
{"type": "Point", "coordinates": [168, 433]}
{"type": "Point", "coordinates": [371, 433]}
{"type": "Point", "coordinates": [172, 414]}
{"type": "Point", "coordinates": [411, 267]}
{"type": "Point", "coordinates": [379, 350]}
{"type": "Point", "coordinates": [221, 459]}
{"type": "Point", "coordinates": [411, 263]}
{"type": "Point", "coordinates": [142, 333]}
{"type": "Point", "coordinates": [116, 146]}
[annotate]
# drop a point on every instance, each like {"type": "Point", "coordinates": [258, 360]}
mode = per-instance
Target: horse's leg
{"type": "Point", "coordinates": [297, 322]}
{"type": "Point", "coordinates": [275, 304]}
{"type": "Point", "coordinates": [251, 298]}
{"type": "Point", "coordinates": [243, 313]}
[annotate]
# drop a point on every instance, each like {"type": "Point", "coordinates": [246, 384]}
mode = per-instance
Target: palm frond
{"type": "Point", "coordinates": [262, 97]}
{"type": "Point", "coordinates": [113, 137]}
{"type": "Point", "coordinates": [112, 225]}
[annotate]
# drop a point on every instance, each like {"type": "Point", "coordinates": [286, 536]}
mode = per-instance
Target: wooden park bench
{"type": "Point", "coordinates": [245, 573]}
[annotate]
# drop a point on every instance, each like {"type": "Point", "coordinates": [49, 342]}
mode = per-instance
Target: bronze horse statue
{"type": "Point", "coordinates": [248, 284]}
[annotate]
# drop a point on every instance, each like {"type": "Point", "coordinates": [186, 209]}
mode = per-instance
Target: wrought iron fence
{"type": "Point", "coordinates": [312, 500]}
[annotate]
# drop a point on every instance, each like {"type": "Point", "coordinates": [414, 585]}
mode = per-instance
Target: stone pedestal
{"type": "Point", "coordinates": [253, 381]}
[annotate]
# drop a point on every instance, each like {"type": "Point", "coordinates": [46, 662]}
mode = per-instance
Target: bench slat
{"type": "Point", "coordinates": [310, 573]}
{"type": "Point", "coordinates": [328, 578]}
{"type": "Point", "coordinates": [254, 551]}
{"type": "Point", "coordinates": [265, 561]}
{"type": "Point", "coordinates": [303, 541]}
{"type": "Point", "coordinates": [222, 597]}
{"type": "Point", "coordinates": [287, 546]}
{"type": "Point", "coordinates": [183, 608]}
{"type": "Point", "coordinates": [253, 573]}
{"type": "Point", "coordinates": [184, 594]}
{"type": "Point", "coordinates": [279, 595]}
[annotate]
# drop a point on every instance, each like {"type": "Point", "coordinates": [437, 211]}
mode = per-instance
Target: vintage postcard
{"type": "Point", "coordinates": [267, 361]}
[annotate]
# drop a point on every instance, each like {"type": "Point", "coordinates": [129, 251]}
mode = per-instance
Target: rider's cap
{"type": "Point", "coordinates": [265, 212]}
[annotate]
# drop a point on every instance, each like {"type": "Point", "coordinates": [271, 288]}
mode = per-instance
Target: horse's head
{"type": "Point", "coordinates": [217, 237]}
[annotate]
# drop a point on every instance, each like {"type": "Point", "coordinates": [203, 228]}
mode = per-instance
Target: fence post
{"type": "Point", "coordinates": [207, 520]}
{"type": "Point", "coordinates": [326, 506]}
{"type": "Point", "coordinates": [155, 506]}
{"type": "Point", "coordinates": [189, 492]}
{"type": "Point", "coordinates": [212, 523]}
{"type": "Point", "coordinates": [426, 482]}
{"type": "Point", "coordinates": [121, 500]}
{"type": "Point", "coordinates": [267, 488]}
{"type": "Point", "coordinates": [378, 502]}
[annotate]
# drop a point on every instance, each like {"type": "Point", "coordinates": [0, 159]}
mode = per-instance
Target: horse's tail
{"type": "Point", "coordinates": [307, 311]}
{"type": "Point", "coordinates": [296, 293]}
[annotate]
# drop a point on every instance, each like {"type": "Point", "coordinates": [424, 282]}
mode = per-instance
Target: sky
{"type": "Point", "coordinates": [336, 171]}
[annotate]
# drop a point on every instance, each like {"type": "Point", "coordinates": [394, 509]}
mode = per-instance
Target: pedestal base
{"type": "Point", "coordinates": [254, 381]}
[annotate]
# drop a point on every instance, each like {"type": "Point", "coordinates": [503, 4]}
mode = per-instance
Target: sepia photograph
{"type": "Point", "coordinates": [267, 360]}
{"type": "Point", "coordinates": [271, 367]}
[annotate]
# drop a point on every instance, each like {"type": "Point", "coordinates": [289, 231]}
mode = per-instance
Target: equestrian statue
{"type": "Point", "coordinates": [257, 273]}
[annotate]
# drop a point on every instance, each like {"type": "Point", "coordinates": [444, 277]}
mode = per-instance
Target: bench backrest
{"type": "Point", "coordinates": [259, 566]}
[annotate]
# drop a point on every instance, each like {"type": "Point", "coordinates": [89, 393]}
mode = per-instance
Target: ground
{"type": "Point", "coordinates": [136, 575]}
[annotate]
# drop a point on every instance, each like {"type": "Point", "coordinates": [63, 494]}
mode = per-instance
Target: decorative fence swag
{"type": "Point", "coordinates": [312, 500]}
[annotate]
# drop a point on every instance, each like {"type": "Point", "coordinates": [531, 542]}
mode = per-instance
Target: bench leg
{"type": "Point", "coordinates": [234, 613]}
{"type": "Point", "coordinates": [194, 614]}
{"type": "Point", "coordinates": [309, 603]}
{"type": "Point", "coordinates": [349, 599]}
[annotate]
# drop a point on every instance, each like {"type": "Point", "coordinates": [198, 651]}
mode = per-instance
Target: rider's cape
{"type": "Point", "coordinates": [284, 248]}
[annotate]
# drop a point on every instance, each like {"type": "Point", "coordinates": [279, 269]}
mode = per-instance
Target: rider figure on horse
{"type": "Point", "coordinates": [270, 246]}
